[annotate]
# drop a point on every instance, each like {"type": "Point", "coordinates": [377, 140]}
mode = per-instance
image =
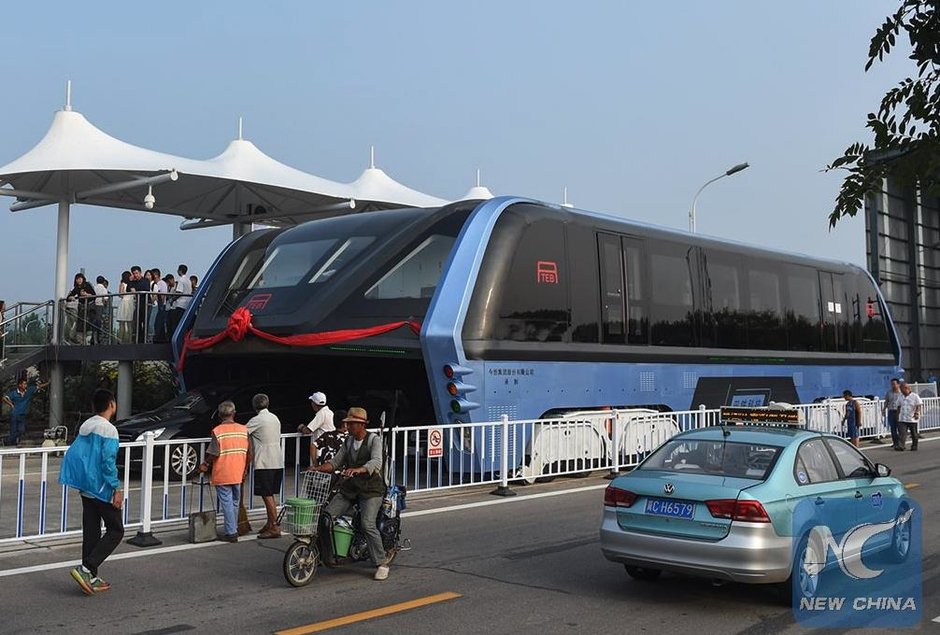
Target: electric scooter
{"type": "Point", "coordinates": [343, 536]}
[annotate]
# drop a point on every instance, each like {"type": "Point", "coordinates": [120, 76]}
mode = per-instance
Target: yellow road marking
{"type": "Point", "coordinates": [911, 485]}
{"type": "Point", "coordinates": [368, 615]}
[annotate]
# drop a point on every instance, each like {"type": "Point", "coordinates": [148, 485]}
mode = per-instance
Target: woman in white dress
{"type": "Point", "coordinates": [125, 312]}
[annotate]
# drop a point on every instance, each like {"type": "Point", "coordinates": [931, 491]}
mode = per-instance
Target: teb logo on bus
{"type": "Point", "coordinates": [856, 562]}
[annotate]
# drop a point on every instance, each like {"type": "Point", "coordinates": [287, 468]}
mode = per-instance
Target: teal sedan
{"type": "Point", "coordinates": [736, 502]}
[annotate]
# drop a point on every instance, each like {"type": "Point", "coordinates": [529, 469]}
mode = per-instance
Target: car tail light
{"type": "Point", "coordinates": [744, 510]}
{"type": "Point", "coordinates": [616, 497]}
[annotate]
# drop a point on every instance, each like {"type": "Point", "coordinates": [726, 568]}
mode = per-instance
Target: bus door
{"type": "Point", "coordinates": [835, 313]}
{"type": "Point", "coordinates": [610, 257]}
{"type": "Point", "coordinates": [624, 295]}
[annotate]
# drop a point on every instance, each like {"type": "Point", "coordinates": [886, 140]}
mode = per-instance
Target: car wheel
{"type": "Point", "coordinates": [182, 466]}
{"type": "Point", "coordinates": [900, 537]}
{"type": "Point", "coordinates": [808, 562]}
{"type": "Point", "coordinates": [642, 573]}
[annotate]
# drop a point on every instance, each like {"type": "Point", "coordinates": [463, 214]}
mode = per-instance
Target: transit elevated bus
{"type": "Point", "coordinates": [528, 309]}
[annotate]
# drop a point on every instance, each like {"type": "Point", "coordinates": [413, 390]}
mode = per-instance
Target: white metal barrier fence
{"type": "Point", "coordinates": [422, 458]}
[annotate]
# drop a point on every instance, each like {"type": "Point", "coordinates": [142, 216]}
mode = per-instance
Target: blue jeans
{"type": "Point", "coordinates": [229, 497]}
{"type": "Point", "coordinates": [159, 324]}
{"type": "Point", "coordinates": [17, 428]}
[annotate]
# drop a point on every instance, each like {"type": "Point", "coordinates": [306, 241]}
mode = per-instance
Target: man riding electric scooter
{"type": "Point", "coordinates": [360, 461]}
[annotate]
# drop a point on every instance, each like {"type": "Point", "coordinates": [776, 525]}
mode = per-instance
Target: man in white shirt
{"type": "Point", "coordinates": [264, 430]}
{"type": "Point", "coordinates": [908, 416]}
{"type": "Point", "coordinates": [322, 422]}
{"type": "Point", "coordinates": [184, 291]}
{"type": "Point", "coordinates": [159, 301]}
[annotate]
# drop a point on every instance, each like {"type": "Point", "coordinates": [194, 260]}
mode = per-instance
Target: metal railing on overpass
{"type": "Point", "coordinates": [34, 506]}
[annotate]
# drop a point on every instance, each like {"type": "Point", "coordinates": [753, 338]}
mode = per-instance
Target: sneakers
{"type": "Point", "coordinates": [227, 537]}
{"type": "Point", "coordinates": [90, 584]}
{"type": "Point", "coordinates": [84, 579]}
{"type": "Point", "coordinates": [381, 573]}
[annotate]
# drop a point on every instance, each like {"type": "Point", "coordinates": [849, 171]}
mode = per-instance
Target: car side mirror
{"type": "Point", "coordinates": [882, 470]}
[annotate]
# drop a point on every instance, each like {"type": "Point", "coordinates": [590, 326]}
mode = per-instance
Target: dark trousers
{"type": "Point", "coordinates": [159, 324]}
{"type": "Point", "coordinates": [905, 427]}
{"type": "Point", "coordinates": [172, 320]}
{"type": "Point", "coordinates": [893, 427]}
{"type": "Point", "coordinates": [95, 547]}
{"type": "Point", "coordinates": [17, 429]}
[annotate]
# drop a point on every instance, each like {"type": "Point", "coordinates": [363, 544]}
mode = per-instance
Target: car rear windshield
{"type": "Point", "coordinates": [724, 458]}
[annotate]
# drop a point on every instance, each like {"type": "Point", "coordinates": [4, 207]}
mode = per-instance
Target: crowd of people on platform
{"type": "Point", "coordinates": [146, 307]}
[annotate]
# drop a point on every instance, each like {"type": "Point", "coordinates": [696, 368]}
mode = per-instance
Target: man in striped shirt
{"type": "Point", "coordinates": [227, 460]}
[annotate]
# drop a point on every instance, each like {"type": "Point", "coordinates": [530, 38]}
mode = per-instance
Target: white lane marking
{"type": "Point", "coordinates": [150, 552]}
{"type": "Point", "coordinates": [67, 564]}
{"type": "Point", "coordinates": [513, 499]}
{"type": "Point", "coordinates": [936, 619]}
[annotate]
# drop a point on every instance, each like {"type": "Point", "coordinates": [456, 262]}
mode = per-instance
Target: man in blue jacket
{"type": "Point", "coordinates": [90, 466]}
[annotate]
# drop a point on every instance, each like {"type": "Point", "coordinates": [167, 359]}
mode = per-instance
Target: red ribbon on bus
{"type": "Point", "coordinates": [239, 325]}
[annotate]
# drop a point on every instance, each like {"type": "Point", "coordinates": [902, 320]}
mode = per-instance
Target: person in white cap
{"type": "Point", "coordinates": [322, 422]}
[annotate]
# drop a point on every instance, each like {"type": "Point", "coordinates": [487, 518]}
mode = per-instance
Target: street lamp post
{"type": "Point", "coordinates": [738, 168]}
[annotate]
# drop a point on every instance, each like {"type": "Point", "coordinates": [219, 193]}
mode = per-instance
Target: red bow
{"type": "Point", "coordinates": [239, 325]}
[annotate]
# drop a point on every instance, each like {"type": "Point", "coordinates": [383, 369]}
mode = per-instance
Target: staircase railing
{"type": "Point", "coordinates": [24, 328]}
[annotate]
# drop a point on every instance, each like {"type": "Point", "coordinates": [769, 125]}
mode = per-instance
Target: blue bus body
{"type": "Point", "coordinates": [530, 309]}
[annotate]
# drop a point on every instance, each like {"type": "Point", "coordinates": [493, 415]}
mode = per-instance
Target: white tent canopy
{"type": "Point", "coordinates": [77, 162]}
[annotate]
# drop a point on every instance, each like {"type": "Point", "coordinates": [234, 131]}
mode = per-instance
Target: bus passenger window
{"type": "Point", "coordinates": [765, 328]}
{"type": "Point", "coordinates": [803, 309]}
{"type": "Point", "coordinates": [727, 314]}
{"type": "Point", "coordinates": [671, 291]}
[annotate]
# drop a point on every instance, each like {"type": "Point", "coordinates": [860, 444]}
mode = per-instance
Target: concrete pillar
{"type": "Point", "coordinates": [56, 392]}
{"type": "Point", "coordinates": [56, 376]}
{"type": "Point", "coordinates": [125, 383]}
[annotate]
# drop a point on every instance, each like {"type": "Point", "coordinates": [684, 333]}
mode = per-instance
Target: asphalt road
{"type": "Point", "coordinates": [528, 564]}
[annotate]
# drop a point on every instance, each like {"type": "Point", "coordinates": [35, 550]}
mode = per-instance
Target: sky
{"type": "Point", "coordinates": [630, 105]}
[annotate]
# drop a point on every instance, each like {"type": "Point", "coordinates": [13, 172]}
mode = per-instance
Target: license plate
{"type": "Point", "coordinates": [674, 509]}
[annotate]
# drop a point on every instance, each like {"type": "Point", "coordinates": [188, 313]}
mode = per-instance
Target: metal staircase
{"type": "Point", "coordinates": [25, 335]}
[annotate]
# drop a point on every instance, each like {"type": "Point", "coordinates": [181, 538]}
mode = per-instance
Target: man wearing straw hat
{"type": "Point", "coordinates": [360, 459]}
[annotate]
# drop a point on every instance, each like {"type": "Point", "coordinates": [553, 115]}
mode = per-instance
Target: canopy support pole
{"type": "Point", "coordinates": [125, 381]}
{"type": "Point", "coordinates": [56, 376]}
{"type": "Point", "coordinates": [240, 229]}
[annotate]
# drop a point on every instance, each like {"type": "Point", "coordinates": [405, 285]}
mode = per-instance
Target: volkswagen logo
{"type": "Point", "coordinates": [668, 488]}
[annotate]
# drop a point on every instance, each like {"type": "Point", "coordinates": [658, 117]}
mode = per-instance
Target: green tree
{"type": "Point", "coordinates": [906, 127]}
